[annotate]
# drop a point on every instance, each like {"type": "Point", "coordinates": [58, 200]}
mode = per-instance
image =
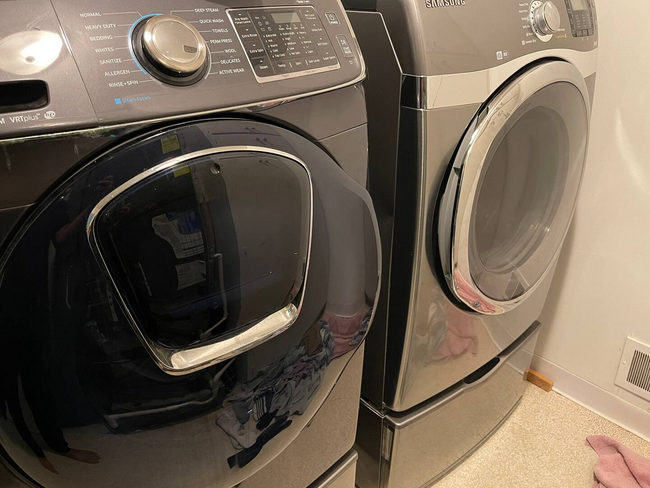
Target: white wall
{"type": "Point", "coordinates": [601, 293]}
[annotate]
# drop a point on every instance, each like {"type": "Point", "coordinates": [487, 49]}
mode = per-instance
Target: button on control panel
{"type": "Point", "coordinates": [284, 42]}
{"type": "Point", "coordinates": [332, 19]}
{"type": "Point", "coordinates": [345, 46]}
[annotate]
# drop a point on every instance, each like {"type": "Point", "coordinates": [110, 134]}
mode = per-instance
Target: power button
{"type": "Point", "coordinates": [332, 19]}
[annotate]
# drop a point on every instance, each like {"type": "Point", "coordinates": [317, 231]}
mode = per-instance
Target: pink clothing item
{"type": "Point", "coordinates": [344, 329]}
{"type": "Point", "coordinates": [618, 466]}
{"type": "Point", "coordinates": [460, 337]}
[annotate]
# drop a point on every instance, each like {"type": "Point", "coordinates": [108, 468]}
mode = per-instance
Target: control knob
{"type": "Point", "coordinates": [546, 18]}
{"type": "Point", "coordinates": [171, 49]}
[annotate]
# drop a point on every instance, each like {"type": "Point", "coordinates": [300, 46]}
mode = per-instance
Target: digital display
{"type": "Point", "coordinates": [286, 17]}
{"type": "Point", "coordinates": [579, 5]}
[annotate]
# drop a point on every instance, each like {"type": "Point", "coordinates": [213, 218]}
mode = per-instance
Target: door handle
{"type": "Point", "coordinates": [180, 361]}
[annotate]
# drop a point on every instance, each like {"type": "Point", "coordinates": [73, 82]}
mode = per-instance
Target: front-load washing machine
{"type": "Point", "coordinates": [190, 260]}
{"type": "Point", "coordinates": [479, 120]}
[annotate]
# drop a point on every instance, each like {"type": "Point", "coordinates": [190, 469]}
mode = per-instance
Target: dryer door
{"type": "Point", "coordinates": [180, 309]}
{"type": "Point", "coordinates": [511, 191]}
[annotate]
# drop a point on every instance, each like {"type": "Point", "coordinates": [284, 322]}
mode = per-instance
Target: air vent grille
{"type": "Point", "coordinates": [634, 370]}
{"type": "Point", "coordinates": [639, 374]}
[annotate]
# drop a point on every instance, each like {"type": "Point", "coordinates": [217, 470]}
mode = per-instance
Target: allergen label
{"type": "Point", "coordinates": [117, 72]}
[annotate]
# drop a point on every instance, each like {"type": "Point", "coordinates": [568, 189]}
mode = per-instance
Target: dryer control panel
{"type": "Point", "coordinates": [581, 17]}
{"type": "Point", "coordinates": [442, 37]}
{"type": "Point", "coordinates": [136, 60]}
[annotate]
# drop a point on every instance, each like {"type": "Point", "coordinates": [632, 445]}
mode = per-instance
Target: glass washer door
{"type": "Point", "coordinates": [512, 190]}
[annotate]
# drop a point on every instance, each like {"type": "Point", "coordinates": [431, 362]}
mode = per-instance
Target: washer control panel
{"type": "Point", "coordinates": [81, 63]}
{"type": "Point", "coordinates": [284, 42]}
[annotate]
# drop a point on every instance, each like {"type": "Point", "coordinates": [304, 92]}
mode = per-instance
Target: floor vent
{"type": "Point", "coordinates": [634, 370]}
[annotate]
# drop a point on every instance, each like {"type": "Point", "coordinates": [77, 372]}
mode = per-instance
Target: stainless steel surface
{"type": "Point", "coordinates": [429, 342]}
{"type": "Point", "coordinates": [353, 158]}
{"type": "Point", "coordinates": [441, 91]}
{"type": "Point", "coordinates": [508, 356]}
{"type": "Point", "coordinates": [185, 361]}
{"type": "Point", "coordinates": [32, 47]}
{"type": "Point", "coordinates": [424, 410]}
{"type": "Point", "coordinates": [369, 444]}
{"type": "Point", "coordinates": [324, 446]}
{"type": "Point", "coordinates": [421, 446]}
{"type": "Point", "coordinates": [546, 18]}
{"type": "Point", "coordinates": [254, 108]}
{"type": "Point", "coordinates": [476, 155]}
{"type": "Point", "coordinates": [472, 37]}
{"type": "Point", "coordinates": [423, 363]}
{"type": "Point", "coordinates": [383, 127]}
{"type": "Point", "coordinates": [341, 475]}
{"type": "Point", "coordinates": [174, 43]}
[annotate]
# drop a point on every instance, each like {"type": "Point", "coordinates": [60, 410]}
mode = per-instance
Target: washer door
{"type": "Point", "coordinates": [512, 188]}
{"type": "Point", "coordinates": [183, 306]}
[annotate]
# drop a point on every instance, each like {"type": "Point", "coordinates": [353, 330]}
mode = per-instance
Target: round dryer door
{"type": "Point", "coordinates": [190, 298]}
{"type": "Point", "coordinates": [511, 191]}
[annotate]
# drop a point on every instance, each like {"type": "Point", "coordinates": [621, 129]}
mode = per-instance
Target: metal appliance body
{"type": "Point", "coordinates": [478, 128]}
{"type": "Point", "coordinates": [189, 257]}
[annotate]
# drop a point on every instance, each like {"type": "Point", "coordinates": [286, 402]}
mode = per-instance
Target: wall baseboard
{"type": "Point", "coordinates": [594, 398]}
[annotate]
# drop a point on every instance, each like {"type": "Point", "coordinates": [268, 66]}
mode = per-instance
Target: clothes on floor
{"type": "Point", "coordinates": [618, 466]}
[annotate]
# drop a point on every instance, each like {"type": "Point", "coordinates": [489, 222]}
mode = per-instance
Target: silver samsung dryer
{"type": "Point", "coordinates": [479, 121]}
{"type": "Point", "coordinates": [189, 256]}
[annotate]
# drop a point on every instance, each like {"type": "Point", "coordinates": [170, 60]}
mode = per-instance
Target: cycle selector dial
{"type": "Point", "coordinates": [545, 19]}
{"type": "Point", "coordinates": [170, 49]}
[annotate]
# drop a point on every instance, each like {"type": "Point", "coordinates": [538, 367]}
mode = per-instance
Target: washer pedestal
{"type": "Point", "coordinates": [418, 447]}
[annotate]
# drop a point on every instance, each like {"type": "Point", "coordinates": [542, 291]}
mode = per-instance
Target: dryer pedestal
{"type": "Point", "coordinates": [417, 447]}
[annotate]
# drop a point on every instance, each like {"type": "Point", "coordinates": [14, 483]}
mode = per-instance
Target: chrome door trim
{"type": "Point", "coordinates": [178, 361]}
{"type": "Point", "coordinates": [440, 91]}
{"type": "Point", "coordinates": [489, 123]}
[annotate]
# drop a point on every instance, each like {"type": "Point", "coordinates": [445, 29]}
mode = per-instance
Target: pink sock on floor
{"type": "Point", "coordinates": [618, 466]}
